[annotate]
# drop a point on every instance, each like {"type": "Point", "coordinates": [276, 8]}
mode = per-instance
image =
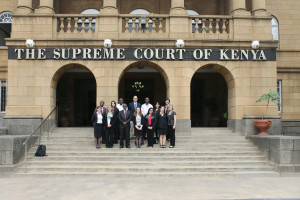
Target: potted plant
{"type": "Point", "coordinates": [264, 124]}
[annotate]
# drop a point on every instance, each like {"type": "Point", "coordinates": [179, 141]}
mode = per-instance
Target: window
{"type": "Point", "coordinates": [192, 12]}
{"type": "Point", "coordinates": [279, 91]}
{"type": "Point", "coordinates": [139, 12]}
{"type": "Point", "coordinates": [5, 27]}
{"type": "Point", "coordinates": [3, 94]}
{"type": "Point", "coordinates": [275, 29]}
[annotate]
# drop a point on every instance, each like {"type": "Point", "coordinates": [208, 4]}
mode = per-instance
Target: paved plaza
{"type": "Point", "coordinates": [149, 188]}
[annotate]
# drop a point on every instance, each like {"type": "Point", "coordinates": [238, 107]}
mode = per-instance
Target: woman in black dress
{"type": "Point", "coordinates": [162, 126]}
{"type": "Point", "coordinates": [97, 120]}
{"type": "Point", "coordinates": [150, 123]}
{"type": "Point", "coordinates": [109, 121]}
{"type": "Point", "coordinates": [115, 110]}
{"type": "Point", "coordinates": [156, 112]}
{"type": "Point", "coordinates": [171, 125]}
{"type": "Point", "coordinates": [138, 121]}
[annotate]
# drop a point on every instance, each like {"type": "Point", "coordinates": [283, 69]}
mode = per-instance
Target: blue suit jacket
{"type": "Point", "coordinates": [131, 107]}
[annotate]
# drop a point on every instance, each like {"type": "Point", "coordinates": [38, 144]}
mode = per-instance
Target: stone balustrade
{"type": "Point", "coordinates": [213, 27]}
{"type": "Point", "coordinates": [144, 24]}
{"type": "Point", "coordinates": [76, 23]}
{"type": "Point", "coordinates": [139, 26]}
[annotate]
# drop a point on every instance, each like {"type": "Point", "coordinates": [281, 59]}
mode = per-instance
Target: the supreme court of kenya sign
{"type": "Point", "coordinates": [142, 54]}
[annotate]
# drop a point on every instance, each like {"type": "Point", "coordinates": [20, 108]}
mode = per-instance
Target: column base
{"type": "Point", "coordinates": [240, 12]}
{"type": "Point", "coordinates": [260, 12]}
{"type": "Point", "coordinates": [178, 11]}
{"type": "Point", "coordinates": [44, 10]}
{"type": "Point", "coordinates": [23, 10]}
{"type": "Point", "coordinates": [109, 10]}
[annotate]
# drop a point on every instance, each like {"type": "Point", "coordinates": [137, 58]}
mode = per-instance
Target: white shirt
{"type": "Point", "coordinates": [100, 117]}
{"type": "Point", "coordinates": [145, 108]}
{"type": "Point", "coordinates": [120, 107]}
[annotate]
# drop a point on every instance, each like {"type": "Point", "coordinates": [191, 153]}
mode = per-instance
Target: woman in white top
{"type": "Point", "coordinates": [138, 121]}
{"type": "Point", "coordinates": [97, 120]}
{"type": "Point", "coordinates": [109, 122]}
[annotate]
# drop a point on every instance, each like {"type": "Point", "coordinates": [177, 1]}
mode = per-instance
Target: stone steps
{"type": "Point", "coordinates": [150, 174]}
{"type": "Point", "coordinates": [151, 158]}
{"type": "Point", "coordinates": [203, 153]}
{"type": "Point", "coordinates": [75, 163]}
{"type": "Point", "coordinates": [153, 169]}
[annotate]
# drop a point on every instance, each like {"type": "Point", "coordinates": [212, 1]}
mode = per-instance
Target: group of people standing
{"type": "Point", "coordinates": [118, 121]}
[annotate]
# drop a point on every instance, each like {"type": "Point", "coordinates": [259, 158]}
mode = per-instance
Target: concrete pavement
{"type": "Point", "coordinates": [149, 188]}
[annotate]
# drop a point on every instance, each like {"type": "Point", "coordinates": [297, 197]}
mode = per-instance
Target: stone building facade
{"type": "Point", "coordinates": [214, 80]}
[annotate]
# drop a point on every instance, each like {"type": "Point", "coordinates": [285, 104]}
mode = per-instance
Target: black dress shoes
{"type": "Point", "coordinates": [128, 147]}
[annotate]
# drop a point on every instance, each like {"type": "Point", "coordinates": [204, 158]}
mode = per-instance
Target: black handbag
{"type": "Point", "coordinates": [41, 151]}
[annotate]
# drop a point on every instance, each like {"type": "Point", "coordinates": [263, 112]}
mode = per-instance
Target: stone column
{"type": "Point", "coordinates": [238, 7]}
{"type": "Point", "coordinates": [177, 7]}
{"type": "Point", "coordinates": [46, 7]}
{"type": "Point", "coordinates": [258, 7]}
{"type": "Point", "coordinates": [109, 7]}
{"type": "Point", "coordinates": [24, 7]}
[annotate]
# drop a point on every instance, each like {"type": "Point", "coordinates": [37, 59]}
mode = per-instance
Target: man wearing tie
{"type": "Point", "coordinates": [132, 107]}
{"type": "Point", "coordinates": [124, 119]}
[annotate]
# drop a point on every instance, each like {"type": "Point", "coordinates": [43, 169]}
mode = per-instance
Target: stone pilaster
{"type": "Point", "coordinates": [177, 7]}
{"type": "Point", "coordinates": [109, 7]}
{"type": "Point", "coordinates": [24, 7]}
{"type": "Point", "coordinates": [238, 7]}
{"type": "Point", "coordinates": [46, 7]}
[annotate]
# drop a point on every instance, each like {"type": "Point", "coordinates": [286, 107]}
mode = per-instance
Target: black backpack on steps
{"type": "Point", "coordinates": [41, 151]}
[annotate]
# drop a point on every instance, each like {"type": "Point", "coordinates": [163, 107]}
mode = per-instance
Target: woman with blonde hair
{"type": "Point", "coordinates": [138, 121]}
{"type": "Point", "coordinates": [109, 122]}
{"type": "Point", "coordinates": [171, 125]}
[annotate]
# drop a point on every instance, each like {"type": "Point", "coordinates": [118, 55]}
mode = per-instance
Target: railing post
{"type": "Point", "coordinates": [76, 25]}
{"type": "Point", "coordinates": [61, 24]}
{"type": "Point", "coordinates": [40, 135]}
{"type": "Point", "coordinates": [25, 158]}
{"type": "Point", "coordinates": [48, 128]}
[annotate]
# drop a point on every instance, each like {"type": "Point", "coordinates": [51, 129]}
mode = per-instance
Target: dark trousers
{"type": "Point", "coordinates": [150, 134]}
{"type": "Point", "coordinates": [103, 135]}
{"type": "Point", "coordinates": [116, 134]}
{"type": "Point", "coordinates": [125, 134]}
{"type": "Point", "coordinates": [109, 136]}
{"type": "Point", "coordinates": [171, 133]}
{"type": "Point", "coordinates": [144, 132]}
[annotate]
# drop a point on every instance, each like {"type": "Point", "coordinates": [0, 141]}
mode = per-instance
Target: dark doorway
{"type": "Point", "coordinates": [143, 82]}
{"type": "Point", "coordinates": [76, 98]}
{"type": "Point", "coordinates": [209, 99]}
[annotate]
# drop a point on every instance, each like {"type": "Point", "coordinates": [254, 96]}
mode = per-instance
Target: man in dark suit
{"type": "Point", "coordinates": [124, 118]}
{"type": "Point", "coordinates": [132, 107]}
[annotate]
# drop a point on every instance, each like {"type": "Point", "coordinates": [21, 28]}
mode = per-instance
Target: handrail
{"type": "Point", "coordinates": [25, 142]}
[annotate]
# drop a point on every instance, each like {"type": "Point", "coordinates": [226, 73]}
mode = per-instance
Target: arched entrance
{"type": "Point", "coordinates": [144, 79]}
{"type": "Point", "coordinates": [211, 92]}
{"type": "Point", "coordinates": [75, 95]}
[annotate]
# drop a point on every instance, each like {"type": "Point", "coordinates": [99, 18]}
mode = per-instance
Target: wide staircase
{"type": "Point", "coordinates": [205, 152]}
